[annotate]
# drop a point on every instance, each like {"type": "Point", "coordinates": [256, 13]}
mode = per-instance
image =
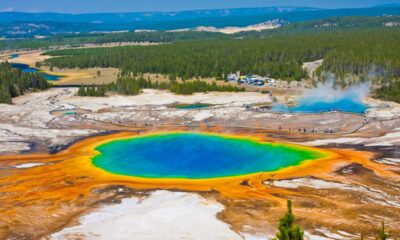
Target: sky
{"type": "Point", "coordinates": [91, 6]}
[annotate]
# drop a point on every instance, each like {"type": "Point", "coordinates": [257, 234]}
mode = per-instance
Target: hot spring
{"type": "Point", "coordinates": [197, 156]}
{"type": "Point", "coordinates": [327, 98]}
{"type": "Point", "coordinates": [315, 106]}
{"type": "Point", "coordinates": [192, 106]}
{"type": "Point", "coordinates": [14, 55]}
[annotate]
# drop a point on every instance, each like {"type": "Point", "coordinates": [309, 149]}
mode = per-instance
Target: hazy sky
{"type": "Point", "coordinates": [86, 6]}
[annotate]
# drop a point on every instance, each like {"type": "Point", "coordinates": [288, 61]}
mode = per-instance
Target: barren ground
{"type": "Point", "coordinates": [46, 196]}
{"type": "Point", "coordinates": [339, 204]}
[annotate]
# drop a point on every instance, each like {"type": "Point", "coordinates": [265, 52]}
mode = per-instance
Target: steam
{"type": "Point", "coordinates": [328, 93]}
{"type": "Point", "coordinates": [327, 97]}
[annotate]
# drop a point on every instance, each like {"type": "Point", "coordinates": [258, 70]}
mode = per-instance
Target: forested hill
{"type": "Point", "coordinates": [329, 24]}
{"type": "Point", "coordinates": [352, 22]}
{"type": "Point", "coordinates": [150, 16]}
{"type": "Point", "coordinates": [76, 40]}
{"type": "Point", "coordinates": [17, 25]}
{"type": "Point", "coordinates": [14, 83]}
{"type": "Point", "coordinates": [292, 14]}
{"type": "Point", "coordinates": [364, 53]}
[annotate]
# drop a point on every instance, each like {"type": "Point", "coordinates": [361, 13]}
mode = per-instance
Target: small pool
{"type": "Point", "coordinates": [14, 55]}
{"type": "Point", "coordinates": [192, 106]}
{"type": "Point", "coordinates": [70, 113]}
{"type": "Point", "coordinates": [197, 156]}
{"type": "Point", "coordinates": [26, 69]}
{"type": "Point", "coordinates": [320, 106]}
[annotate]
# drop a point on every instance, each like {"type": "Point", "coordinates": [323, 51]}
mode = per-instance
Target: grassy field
{"type": "Point", "coordinates": [87, 76]}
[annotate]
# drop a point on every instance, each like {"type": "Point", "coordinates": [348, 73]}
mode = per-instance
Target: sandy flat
{"type": "Point", "coordinates": [232, 30]}
{"type": "Point", "coordinates": [29, 57]}
{"type": "Point", "coordinates": [69, 76]}
{"type": "Point", "coordinates": [87, 76]}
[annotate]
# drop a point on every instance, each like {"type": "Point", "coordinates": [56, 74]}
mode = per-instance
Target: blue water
{"type": "Point", "coordinates": [196, 156]}
{"type": "Point", "coordinates": [192, 106]}
{"type": "Point", "coordinates": [26, 69]}
{"type": "Point", "coordinates": [345, 104]}
{"type": "Point", "coordinates": [50, 77]}
{"type": "Point", "coordinates": [14, 55]}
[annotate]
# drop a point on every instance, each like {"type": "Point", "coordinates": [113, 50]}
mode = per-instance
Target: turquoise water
{"type": "Point", "coordinates": [14, 55]}
{"type": "Point", "coordinates": [196, 156]}
{"type": "Point", "coordinates": [345, 104]}
{"type": "Point", "coordinates": [192, 106]}
{"type": "Point", "coordinates": [26, 69]}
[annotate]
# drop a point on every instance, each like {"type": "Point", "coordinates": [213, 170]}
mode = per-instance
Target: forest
{"type": "Point", "coordinates": [75, 40]}
{"type": "Point", "coordinates": [132, 85]}
{"type": "Point", "coordinates": [13, 82]}
{"type": "Point", "coordinates": [332, 23]}
{"type": "Point", "coordinates": [390, 91]}
{"type": "Point", "coordinates": [366, 53]}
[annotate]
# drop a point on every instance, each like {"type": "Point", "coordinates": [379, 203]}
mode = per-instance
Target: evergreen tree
{"type": "Point", "coordinates": [92, 91]}
{"type": "Point", "coordinates": [352, 23]}
{"type": "Point", "coordinates": [279, 56]}
{"type": "Point", "coordinates": [81, 91]}
{"type": "Point", "coordinates": [288, 230]}
{"type": "Point", "coordinates": [132, 86]}
{"type": "Point", "coordinates": [5, 96]}
{"type": "Point", "coordinates": [390, 91]}
{"type": "Point", "coordinates": [14, 82]}
{"type": "Point", "coordinates": [383, 235]}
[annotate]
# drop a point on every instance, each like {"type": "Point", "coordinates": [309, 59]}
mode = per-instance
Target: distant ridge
{"type": "Point", "coordinates": [145, 16]}
{"type": "Point", "coordinates": [389, 5]}
{"type": "Point", "coordinates": [283, 12]}
{"type": "Point", "coordinates": [26, 25]}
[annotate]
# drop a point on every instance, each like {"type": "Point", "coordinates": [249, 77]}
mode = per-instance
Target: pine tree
{"type": "Point", "coordinates": [81, 91]}
{"type": "Point", "coordinates": [14, 82]}
{"type": "Point", "coordinates": [279, 56]}
{"type": "Point", "coordinates": [288, 230]}
{"type": "Point", "coordinates": [383, 235]}
{"type": "Point", "coordinates": [4, 95]}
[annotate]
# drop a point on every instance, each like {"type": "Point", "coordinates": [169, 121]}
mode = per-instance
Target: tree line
{"type": "Point", "coordinates": [371, 53]}
{"type": "Point", "coordinates": [78, 39]}
{"type": "Point", "coordinates": [353, 23]}
{"type": "Point", "coordinates": [14, 82]}
{"type": "Point", "coordinates": [131, 85]}
{"type": "Point", "coordinates": [196, 59]}
{"type": "Point", "coordinates": [92, 91]}
{"type": "Point", "coordinates": [390, 91]}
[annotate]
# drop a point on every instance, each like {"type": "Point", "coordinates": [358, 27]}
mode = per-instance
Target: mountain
{"type": "Point", "coordinates": [389, 5]}
{"type": "Point", "coordinates": [144, 16]}
{"type": "Point", "coordinates": [17, 24]}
